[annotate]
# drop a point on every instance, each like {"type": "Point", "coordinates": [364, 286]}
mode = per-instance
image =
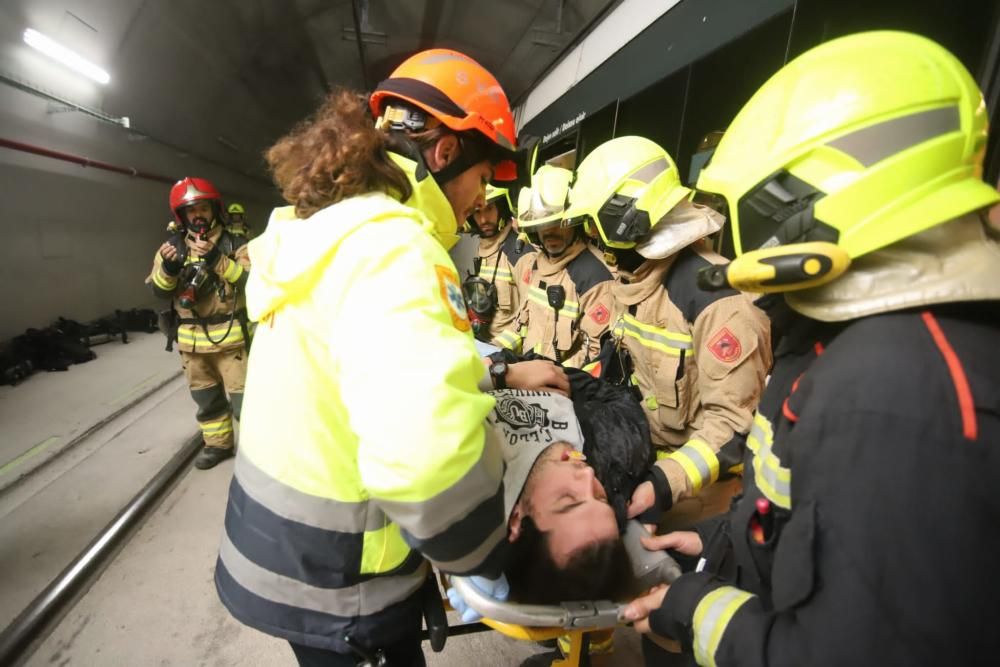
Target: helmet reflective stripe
{"type": "Point", "coordinates": [624, 187]}
{"type": "Point", "coordinates": [649, 172]}
{"type": "Point", "coordinates": [875, 143]}
{"type": "Point", "coordinates": [886, 130]}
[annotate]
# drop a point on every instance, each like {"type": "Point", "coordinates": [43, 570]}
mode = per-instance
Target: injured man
{"type": "Point", "coordinates": [571, 467]}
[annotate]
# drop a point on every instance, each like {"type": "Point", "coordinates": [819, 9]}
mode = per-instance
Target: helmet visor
{"type": "Point", "coordinates": [776, 212]}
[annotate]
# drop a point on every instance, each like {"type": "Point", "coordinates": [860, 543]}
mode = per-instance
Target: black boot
{"type": "Point", "coordinates": [209, 457]}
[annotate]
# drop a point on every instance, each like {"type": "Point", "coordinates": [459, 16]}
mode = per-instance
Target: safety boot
{"type": "Point", "coordinates": [209, 457]}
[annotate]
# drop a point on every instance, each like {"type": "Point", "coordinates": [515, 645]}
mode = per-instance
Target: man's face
{"type": "Point", "coordinates": [236, 218]}
{"type": "Point", "coordinates": [555, 240]}
{"type": "Point", "coordinates": [565, 500]}
{"type": "Point", "coordinates": [467, 191]}
{"type": "Point", "coordinates": [199, 214]}
{"type": "Point", "coordinates": [487, 219]}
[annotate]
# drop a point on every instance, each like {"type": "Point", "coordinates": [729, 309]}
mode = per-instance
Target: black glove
{"type": "Point", "coordinates": [664, 495]}
{"type": "Point", "coordinates": [172, 266]}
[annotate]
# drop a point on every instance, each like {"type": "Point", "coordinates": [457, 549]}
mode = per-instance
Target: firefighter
{"type": "Point", "coordinates": [203, 269]}
{"type": "Point", "coordinates": [363, 448]}
{"type": "Point", "coordinates": [236, 221]}
{"type": "Point", "coordinates": [565, 288]}
{"type": "Point", "coordinates": [866, 531]}
{"type": "Point", "coordinates": [697, 358]}
{"type": "Point", "coordinates": [490, 292]}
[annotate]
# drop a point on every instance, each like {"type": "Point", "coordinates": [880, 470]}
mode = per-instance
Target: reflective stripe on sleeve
{"type": "Point", "coordinates": [163, 281]}
{"type": "Point", "coordinates": [711, 617]}
{"type": "Point", "coordinates": [233, 271]}
{"type": "Point", "coordinates": [509, 340]}
{"type": "Point", "coordinates": [700, 463]}
{"type": "Point", "coordinates": [773, 479]}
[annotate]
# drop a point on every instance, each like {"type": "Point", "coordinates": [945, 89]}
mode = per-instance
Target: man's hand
{"type": "Point", "coordinates": [686, 542]}
{"type": "Point", "coordinates": [538, 375]}
{"type": "Point", "coordinates": [643, 498]}
{"type": "Point", "coordinates": [169, 252]}
{"type": "Point", "coordinates": [207, 250]}
{"type": "Point", "coordinates": [172, 260]}
{"type": "Point", "coordinates": [638, 610]}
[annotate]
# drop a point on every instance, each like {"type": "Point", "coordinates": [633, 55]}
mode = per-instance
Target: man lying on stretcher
{"type": "Point", "coordinates": [571, 467]}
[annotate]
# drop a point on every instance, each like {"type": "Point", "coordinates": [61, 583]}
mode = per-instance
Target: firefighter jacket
{"type": "Point", "coordinates": [698, 360]}
{"type": "Point", "coordinates": [584, 316]}
{"type": "Point", "coordinates": [362, 443]}
{"type": "Point", "coordinates": [866, 534]}
{"type": "Point", "coordinates": [218, 320]}
{"type": "Point", "coordinates": [496, 260]}
{"type": "Point", "coordinates": [241, 229]}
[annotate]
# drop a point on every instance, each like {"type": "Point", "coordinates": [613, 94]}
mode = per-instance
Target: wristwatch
{"type": "Point", "coordinates": [498, 373]}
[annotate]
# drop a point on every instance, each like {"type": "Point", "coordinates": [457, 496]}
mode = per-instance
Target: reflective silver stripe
{"type": "Point", "coordinates": [474, 558]}
{"type": "Point", "coordinates": [703, 470]}
{"type": "Point", "coordinates": [773, 479]}
{"type": "Point", "coordinates": [435, 515]}
{"type": "Point", "coordinates": [877, 142]}
{"type": "Point", "coordinates": [324, 513]}
{"type": "Point", "coordinates": [655, 339]}
{"type": "Point", "coordinates": [711, 617]}
{"type": "Point", "coordinates": [369, 597]}
{"type": "Point", "coordinates": [570, 308]}
{"type": "Point", "coordinates": [650, 171]}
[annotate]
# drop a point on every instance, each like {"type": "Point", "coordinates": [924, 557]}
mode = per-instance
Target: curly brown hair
{"type": "Point", "coordinates": [334, 155]}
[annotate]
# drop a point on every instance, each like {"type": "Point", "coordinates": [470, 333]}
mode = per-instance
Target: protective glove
{"type": "Point", "coordinates": [498, 589]}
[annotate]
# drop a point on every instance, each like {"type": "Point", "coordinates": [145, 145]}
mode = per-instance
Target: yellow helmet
{"type": "Point", "coordinates": [236, 208]}
{"type": "Point", "coordinates": [854, 145]}
{"type": "Point", "coordinates": [542, 204]}
{"type": "Point", "coordinates": [505, 210]}
{"type": "Point", "coordinates": [624, 187]}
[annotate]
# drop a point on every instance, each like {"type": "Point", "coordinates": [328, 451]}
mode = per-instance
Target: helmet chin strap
{"type": "Point", "coordinates": [470, 154]}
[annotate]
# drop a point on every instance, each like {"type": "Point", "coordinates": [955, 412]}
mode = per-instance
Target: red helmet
{"type": "Point", "coordinates": [189, 190]}
{"type": "Point", "coordinates": [460, 93]}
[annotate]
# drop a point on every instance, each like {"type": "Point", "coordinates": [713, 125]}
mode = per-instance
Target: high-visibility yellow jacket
{"type": "Point", "coordinates": [362, 443]}
{"type": "Point", "coordinates": [210, 326]}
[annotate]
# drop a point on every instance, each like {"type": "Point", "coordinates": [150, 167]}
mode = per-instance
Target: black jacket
{"type": "Point", "coordinates": [880, 538]}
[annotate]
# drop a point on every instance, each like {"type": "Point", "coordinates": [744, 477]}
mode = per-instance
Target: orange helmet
{"type": "Point", "coordinates": [460, 93]}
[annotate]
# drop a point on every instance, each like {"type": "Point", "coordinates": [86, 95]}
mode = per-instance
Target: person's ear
{"type": "Point", "coordinates": [443, 153]}
{"type": "Point", "coordinates": [515, 523]}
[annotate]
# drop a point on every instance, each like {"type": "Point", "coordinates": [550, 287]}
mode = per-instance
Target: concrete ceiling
{"type": "Point", "coordinates": [222, 79]}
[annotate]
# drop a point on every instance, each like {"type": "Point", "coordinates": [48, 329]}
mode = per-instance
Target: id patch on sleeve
{"type": "Point", "coordinates": [725, 346]}
{"type": "Point", "coordinates": [600, 314]}
{"type": "Point", "coordinates": [451, 293]}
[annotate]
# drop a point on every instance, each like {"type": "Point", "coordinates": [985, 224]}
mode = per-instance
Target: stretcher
{"type": "Point", "coordinates": [576, 620]}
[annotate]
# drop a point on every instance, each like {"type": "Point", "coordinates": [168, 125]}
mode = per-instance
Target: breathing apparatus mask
{"type": "Point", "coordinates": [481, 300]}
{"type": "Point", "coordinates": [197, 277]}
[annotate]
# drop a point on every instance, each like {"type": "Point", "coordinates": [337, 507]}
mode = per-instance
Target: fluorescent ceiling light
{"type": "Point", "coordinates": [57, 51]}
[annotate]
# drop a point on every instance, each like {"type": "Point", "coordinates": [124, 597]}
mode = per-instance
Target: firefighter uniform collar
{"type": "Point", "coordinates": [214, 234]}
{"type": "Point", "coordinates": [428, 198]}
{"type": "Point", "coordinates": [550, 267]}
{"type": "Point", "coordinates": [952, 262]}
{"type": "Point", "coordinates": [643, 283]}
